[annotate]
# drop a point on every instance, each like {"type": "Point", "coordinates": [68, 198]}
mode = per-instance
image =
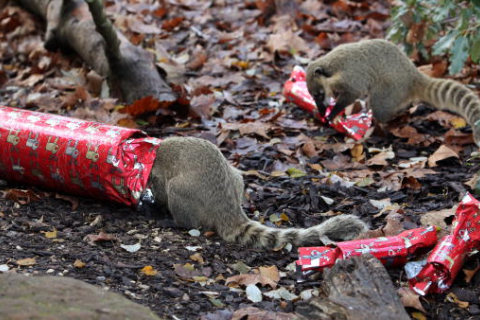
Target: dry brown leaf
{"type": "Point", "coordinates": [270, 272]}
{"type": "Point", "coordinates": [250, 278]}
{"type": "Point", "coordinates": [101, 236]}
{"type": "Point", "coordinates": [380, 159]}
{"type": "Point", "coordinates": [308, 148]}
{"type": "Point", "coordinates": [410, 299]}
{"type": "Point", "coordinates": [437, 218]}
{"type": "Point", "coordinates": [469, 274]}
{"type": "Point", "coordinates": [197, 257]}
{"type": "Point", "coordinates": [442, 153]}
{"type": "Point", "coordinates": [259, 128]}
{"type": "Point", "coordinates": [26, 262]}
{"type": "Point", "coordinates": [410, 133]}
{"type": "Point", "coordinates": [149, 271]}
{"type": "Point", "coordinates": [452, 297]}
{"type": "Point", "coordinates": [79, 264]}
{"type": "Point", "coordinates": [73, 200]}
{"type": "Point", "coordinates": [411, 183]}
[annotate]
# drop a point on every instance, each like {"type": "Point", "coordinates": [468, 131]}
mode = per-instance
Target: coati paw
{"type": "Point", "coordinates": [344, 227]}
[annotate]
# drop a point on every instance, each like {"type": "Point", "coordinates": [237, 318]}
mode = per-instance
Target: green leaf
{"type": "Point", "coordinates": [476, 3]}
{"type": "Point", "coordinates": [459, 53]}
{"type": "Point", "coordinates": [295, 173]}
{"type": "Point", "coordinates": [444, 43]}
{"type": "Point", "coordinates": [475, 48]}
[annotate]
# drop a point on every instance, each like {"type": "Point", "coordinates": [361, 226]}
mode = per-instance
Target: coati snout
{"type": "Point", "coordinates": [379, 70]}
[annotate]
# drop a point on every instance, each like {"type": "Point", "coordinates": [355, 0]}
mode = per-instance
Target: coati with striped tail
{"type": "Point", "coordinates": [193, 180]}
{"type": "Point", "coordinates": [379, 69]}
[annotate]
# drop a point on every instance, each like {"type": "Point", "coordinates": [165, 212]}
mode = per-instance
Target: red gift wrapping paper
{"type": "Point", "coordinates": [79, 157]}
{"type": "Point", "coordinates": [447, 258]}
{"type": "Point", "coordinates": [295, 90]}
{"type": "Point", "coordinates": [391, 251]}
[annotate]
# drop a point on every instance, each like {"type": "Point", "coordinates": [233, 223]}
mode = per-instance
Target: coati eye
{"type": "Point", "coordinates": [319, 71]}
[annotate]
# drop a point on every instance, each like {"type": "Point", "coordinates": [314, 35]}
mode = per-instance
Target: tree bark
{"type": "Point", "coordinates": [357, 289]}
{"type": "Point", "coordinates": [130, 70]}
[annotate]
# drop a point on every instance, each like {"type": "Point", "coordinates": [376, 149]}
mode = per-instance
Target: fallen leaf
{"type": "Point", "coordinates": [281, 293]}
{"type": "Point", "coordinates": [73, 200]}
{"type": "Point", "coordinates": [251, 278]}
{"type": "Point", "coordinates": [102, 236]}
{"type": "Point", "coordinates": [270, 272]}
{"type": "Point", "coordinates": [131, 247]}
{"type": "Point", "coordinates": [51, 234]}
{"type": "Point", "coordinates": [410, 299]}
{"type": "Point", "coordinates": [442, 153]}
{"type": "Point", "coordinates": [79, 264]}
{"type": "Point", "coordinates": [437, 218]}
{"type": "Point", "coordinates": [453, 298]}
{"type": "Point", "coordinates": [357, 152]}
{"type": "Point", "coordinates": [26, 262]}
{"type": "Point", "coordinates": [148, 271]}
{"type": "Point", "coordinates": [469, 274]}
{"type": "Point", "coordinates": [295, 173]}
{"type": "Point", "coordinates": [253, 293]}
{"type": "Point", "coordinates": [197, 257]}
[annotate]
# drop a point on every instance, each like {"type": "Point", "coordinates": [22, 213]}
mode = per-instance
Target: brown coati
{"type": "Point", "coordinates": [193, 180]}
{"type": "Point", "coordinates": [379, 70]}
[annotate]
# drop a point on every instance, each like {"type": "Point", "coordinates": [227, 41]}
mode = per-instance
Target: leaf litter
{"type": "Point", "coordinates": [228, 60]}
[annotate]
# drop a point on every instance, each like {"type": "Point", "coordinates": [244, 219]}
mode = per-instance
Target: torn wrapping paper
{"type": "Point", "coordinates": [295, 90]}
{"type": "Point", "coordinates": [79, 157]}
{"type": "Point", "coordinates": [436, 274]}
{"type": "Point", "coordinates": [391, 251]}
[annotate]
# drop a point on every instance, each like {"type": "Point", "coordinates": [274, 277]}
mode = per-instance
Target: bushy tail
{"type": "Point", "coordinates": [255, 234]}
{"type": "Point", "coordinates": [453, 96]}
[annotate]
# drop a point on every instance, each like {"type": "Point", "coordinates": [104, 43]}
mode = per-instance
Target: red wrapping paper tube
{"type": "Point", "coordinates": [391, 251]}
{"type": "Point", "coordinates": [448, 256]}
{"type": "Point", "coordinates": [79, 157]}
{"type": "Point", "coordinates": [295, 90]}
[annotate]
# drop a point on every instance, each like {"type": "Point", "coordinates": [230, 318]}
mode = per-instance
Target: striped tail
{"type": "Point", "coordinates": [257, 235]}
{"type": "Point", "coordinates": [453, 96]}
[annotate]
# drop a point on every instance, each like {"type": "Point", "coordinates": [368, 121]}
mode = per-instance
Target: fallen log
{"type": "Point", "coordinates": [357, 289]}
{"type": "Point", "coordinates": [130, 70]}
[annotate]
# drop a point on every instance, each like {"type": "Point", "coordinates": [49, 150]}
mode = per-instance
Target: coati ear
{"type": "Point", "coordinates": [319, 71]}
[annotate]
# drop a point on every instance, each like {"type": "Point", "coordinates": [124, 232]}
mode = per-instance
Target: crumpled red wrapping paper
{"type": "Point", "coordinates": [391, 251]}
{"type": "Point", "coordinates": [295, 90]}
{"type": "Point", "coordinates": [74, 156]}
{"type": "Point", "coordinates": [436, 274]}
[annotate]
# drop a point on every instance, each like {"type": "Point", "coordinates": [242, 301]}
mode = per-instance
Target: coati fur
{"type": "Point", "coordinates": [193, 180]}
{"type": "Point", "coordinates": [379, 70]}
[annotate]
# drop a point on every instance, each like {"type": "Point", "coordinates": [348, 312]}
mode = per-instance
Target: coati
{"type": "Point", "coordinates": [379, 69]}
{"type": "Point", "coordinates": [197, 185]}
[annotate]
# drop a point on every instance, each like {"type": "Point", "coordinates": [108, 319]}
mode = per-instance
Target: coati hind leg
{"type": "Point", "coordinates": [183, 202]}
{"type": "Point", "coordinates": [387, 104]}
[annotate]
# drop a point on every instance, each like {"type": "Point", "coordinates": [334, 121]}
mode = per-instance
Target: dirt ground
{"type": "Point", "coordinates": [56, 229]}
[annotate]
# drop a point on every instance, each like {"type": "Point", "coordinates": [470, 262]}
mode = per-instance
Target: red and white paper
{"type": "Point", "coordinates": [295, 90]}
{"type": "Point", "coordinates": [74, 156]}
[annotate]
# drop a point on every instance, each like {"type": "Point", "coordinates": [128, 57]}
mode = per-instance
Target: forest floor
{"type": "Point", "coordinates": [232, 59]}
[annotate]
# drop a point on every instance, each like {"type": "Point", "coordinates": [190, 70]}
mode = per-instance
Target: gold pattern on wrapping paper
{"type": "Point", "coordinates": [13, 137]}
{"type": "Point", "coordinates": [92, 153]}
{"type": "Point", "coordinates": [52, 144]}
{"type": "Point", "coordinates": [120, 187]}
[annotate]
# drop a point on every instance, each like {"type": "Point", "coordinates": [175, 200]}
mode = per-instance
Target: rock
{"type": "Point", "coordinates": [47, 297]}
